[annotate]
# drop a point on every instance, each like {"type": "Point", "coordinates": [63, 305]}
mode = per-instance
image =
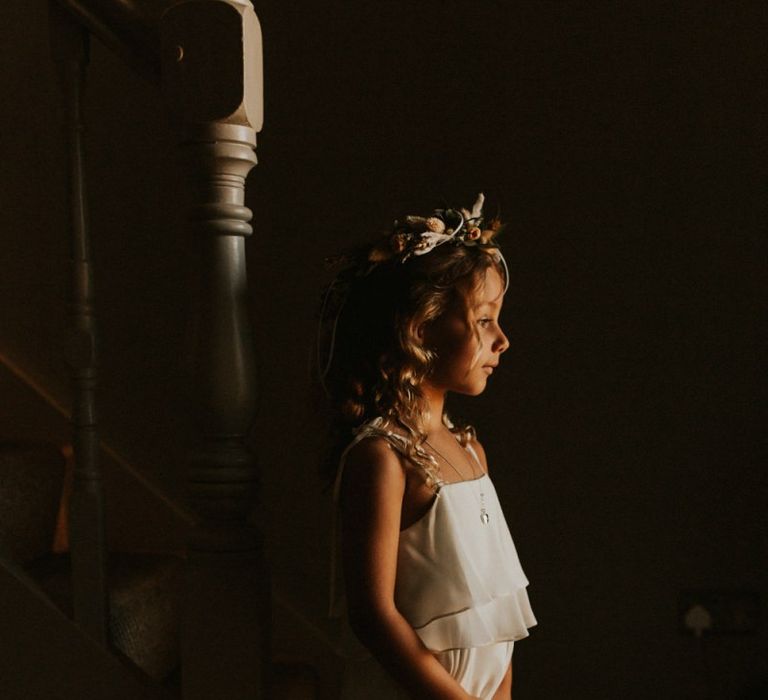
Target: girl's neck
{"type": "Point", "coordinates": [436, 400]}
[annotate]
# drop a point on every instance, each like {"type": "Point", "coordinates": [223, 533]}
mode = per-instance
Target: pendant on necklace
{"type": "Point", "coordinates": [484, 517]}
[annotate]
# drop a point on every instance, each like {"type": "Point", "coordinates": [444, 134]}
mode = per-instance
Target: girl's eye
{"type": "Point", "coordinates": [484, 322]}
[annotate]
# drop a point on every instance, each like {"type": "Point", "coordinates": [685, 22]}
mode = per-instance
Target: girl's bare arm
{"type": "Point", "coordinates": [373, 486]}
{"type": "Point", "coordinates": [504, 691]}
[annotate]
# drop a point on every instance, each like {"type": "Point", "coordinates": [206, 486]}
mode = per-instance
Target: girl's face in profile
{"type": "Point", "coordinates": [468, 340]}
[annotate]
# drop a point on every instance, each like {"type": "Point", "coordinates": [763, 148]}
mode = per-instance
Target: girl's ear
{"type": "Point", "coordinates": [422, 331]}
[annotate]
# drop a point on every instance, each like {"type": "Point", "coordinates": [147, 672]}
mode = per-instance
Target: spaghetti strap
{"type": "Point", "coordinates": [477, 459]}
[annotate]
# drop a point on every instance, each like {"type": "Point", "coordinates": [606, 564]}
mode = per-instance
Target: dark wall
{"type": "Point", "coordinates": [621, 142]}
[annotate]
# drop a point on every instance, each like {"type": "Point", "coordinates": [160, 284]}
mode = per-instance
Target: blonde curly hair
{"type": "Point", "coordinates": [377, 362]}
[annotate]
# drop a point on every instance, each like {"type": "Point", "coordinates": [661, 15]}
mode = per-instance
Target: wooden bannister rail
{"type": "Point", "coordinates": [212, 79]}
{"type": "Point", "coordinates": [69, 44]}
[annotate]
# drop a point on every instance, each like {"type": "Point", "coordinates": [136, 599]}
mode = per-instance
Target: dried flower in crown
{"type": "Point", "coordinates": [418, 235]}
{"type": "Point", "coordinates": [435, 225]}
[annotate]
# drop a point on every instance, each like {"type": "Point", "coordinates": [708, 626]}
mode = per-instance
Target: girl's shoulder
{"type": "Point", "coordinates": [372, 447]}
{"type": "Point", "coordinates": [372, 465]}
{"type": "Point", "coordinates": [377, 441]}
{"type": "Point", "coordinates": [378, 444]}
{"type": "Point", "coordinates": [382, 432]}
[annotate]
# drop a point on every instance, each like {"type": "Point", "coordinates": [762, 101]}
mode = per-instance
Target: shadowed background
{"type": "Point", "coordinates": [623, 143]}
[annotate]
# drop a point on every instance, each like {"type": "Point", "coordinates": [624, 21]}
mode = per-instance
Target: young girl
{"type": "Point", "coordinates": [434, 588]}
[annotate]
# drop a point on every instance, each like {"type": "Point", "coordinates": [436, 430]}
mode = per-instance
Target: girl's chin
{"type": "Point", "coordinates": [474, 390]}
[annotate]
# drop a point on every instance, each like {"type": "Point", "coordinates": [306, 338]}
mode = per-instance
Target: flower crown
{"type": "Point", "coordinates": [418, 235]}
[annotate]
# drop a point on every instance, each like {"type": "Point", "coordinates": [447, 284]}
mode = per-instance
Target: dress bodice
{"type": "Point", "coordinates": [459, 581]}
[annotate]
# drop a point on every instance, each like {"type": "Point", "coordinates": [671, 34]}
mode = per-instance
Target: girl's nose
{"type": "Point", "coordinates": [501, 343]}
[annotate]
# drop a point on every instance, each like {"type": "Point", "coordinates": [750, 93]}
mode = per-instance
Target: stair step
{"type": "Point", "coordinates": [144, 603]}
{"type": "Point", "coordinates": [31, 481]}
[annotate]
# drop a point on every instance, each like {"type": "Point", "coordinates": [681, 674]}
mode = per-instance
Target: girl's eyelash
{"type": "Point", "coordinates": [484, 321]}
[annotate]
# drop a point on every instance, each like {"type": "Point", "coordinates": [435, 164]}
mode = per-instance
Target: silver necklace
{"type": "Point", "coordinates": [484, 517]}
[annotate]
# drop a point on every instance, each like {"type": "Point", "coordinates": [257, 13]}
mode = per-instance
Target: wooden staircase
{"type": "Point", "coordinates": [43, 653]}
{"type": "Point", "coordinates": [81, 619]}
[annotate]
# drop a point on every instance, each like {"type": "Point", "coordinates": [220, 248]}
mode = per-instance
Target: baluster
{"type": "Point", "coordinates": [86, 520]}
{"type": "Point", "coordinates": [211, 62]}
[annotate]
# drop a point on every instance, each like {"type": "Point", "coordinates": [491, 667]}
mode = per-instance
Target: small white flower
{"type": "Point", "coordinates": [430, 240]}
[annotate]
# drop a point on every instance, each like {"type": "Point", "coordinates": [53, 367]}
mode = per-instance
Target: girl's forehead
{"type": "Point", "coordinates": [489, 290]}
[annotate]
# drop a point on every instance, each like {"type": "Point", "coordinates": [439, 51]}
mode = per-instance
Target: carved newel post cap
{"type": "Point", "coordinates": [212, 63]}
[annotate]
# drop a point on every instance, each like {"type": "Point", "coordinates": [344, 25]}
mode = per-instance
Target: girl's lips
{"type": "Point", "coordinates": [488, 368]}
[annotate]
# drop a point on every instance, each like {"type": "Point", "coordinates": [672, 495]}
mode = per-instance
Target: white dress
{"type": "Point", "coordinates": [459, 584]}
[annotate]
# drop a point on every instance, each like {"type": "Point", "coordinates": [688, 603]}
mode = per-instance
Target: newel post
{"type": "Point", "coordinates": [212, 77]}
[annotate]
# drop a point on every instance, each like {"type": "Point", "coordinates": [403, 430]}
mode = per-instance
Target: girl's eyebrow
{"type": "Point", "coordinates": [485, 303]}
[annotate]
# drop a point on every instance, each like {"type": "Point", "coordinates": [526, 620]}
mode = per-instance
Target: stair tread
{"type": "Point", "coordinates": [144, 603]}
